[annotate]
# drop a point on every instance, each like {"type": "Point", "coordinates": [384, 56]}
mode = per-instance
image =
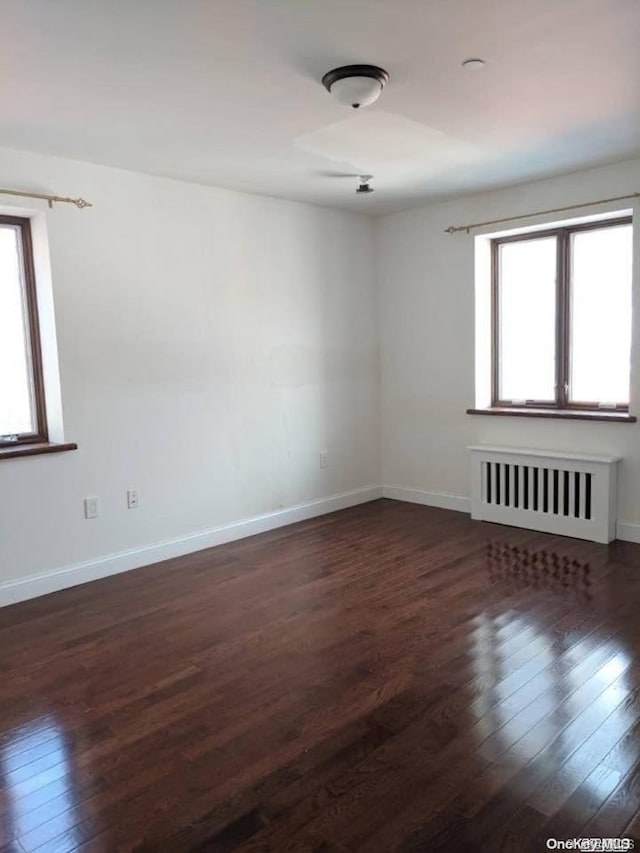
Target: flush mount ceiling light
{"type": "Point", "coordinates": [355, 85]}
{"type": "Point", "coordinates": [473, 64]}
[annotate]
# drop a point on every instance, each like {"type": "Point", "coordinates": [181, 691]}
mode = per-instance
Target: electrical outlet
{"type": "Point", "coordinates": [91, 508]}
{"type": "Point", "coordinates": [132, 498]}
{"type": "Point", "coordinates": [324, 458]}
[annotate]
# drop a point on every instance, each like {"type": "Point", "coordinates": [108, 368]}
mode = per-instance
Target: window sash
{"type": "Point", "coordinates": [32, 334]}
{"type": "Point", "coordinates": [563, 319]}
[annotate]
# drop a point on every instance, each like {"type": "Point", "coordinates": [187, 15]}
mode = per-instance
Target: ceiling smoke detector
{"type": "Point", "coordinates": [363, 186]}
{"type": "Point", "coordinates": [355, 85]}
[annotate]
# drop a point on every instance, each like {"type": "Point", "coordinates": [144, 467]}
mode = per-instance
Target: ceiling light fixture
{"type": "Point", "coordinates": [363, 186]}
{"type": "Point", "coordinates": [473, 64]}
{"type": "Point", "coordinates": [355, 85]}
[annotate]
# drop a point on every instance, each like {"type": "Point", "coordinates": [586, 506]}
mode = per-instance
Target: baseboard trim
{"type": "Point", "coordinates": [628, 531]}
{"type": "Point", "coordinates": [124, 561]}
{"type": "Point", "coordinates": [457, 503]}
{"type": "Point", "coordinates": [13, 592]}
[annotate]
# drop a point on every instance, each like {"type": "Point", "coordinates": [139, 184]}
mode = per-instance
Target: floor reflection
{"type": "Point", "coordinates": [520, 567]}
{"type": "Point", "coordinates": [558, 693]}
{"type": "Point", "coordinates": [37, 774]}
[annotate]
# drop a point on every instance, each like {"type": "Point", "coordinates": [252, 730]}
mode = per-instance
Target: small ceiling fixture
{"type": "Point", "coordinates": [473, 63]}
{"type": "Point", "coordinates": [363, 186]}
{"type": "Point", "coordinates": [356, 85]}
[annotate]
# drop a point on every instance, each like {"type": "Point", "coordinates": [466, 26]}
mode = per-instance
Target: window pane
{"type": "Point", "coordinates": [16, 394]}
{"type": "Point", "coordinates": [601, 315]}
{"type": "Point", "coordinates": [527, 320]}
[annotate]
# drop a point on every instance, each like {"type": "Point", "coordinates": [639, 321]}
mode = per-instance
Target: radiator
{"type": "Point", "coordinates": [571, 494]}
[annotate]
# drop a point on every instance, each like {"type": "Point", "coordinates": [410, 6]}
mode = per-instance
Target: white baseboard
{"type": "Point", "coordinates": [134, 558]}
{"type": "Point", "coordinates": [628, 531]}
{"type": "Point", "coordinates": [417, 496]}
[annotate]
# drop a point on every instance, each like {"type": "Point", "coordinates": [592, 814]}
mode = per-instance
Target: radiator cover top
{"type": "Point", "coordinates": [556, 492]}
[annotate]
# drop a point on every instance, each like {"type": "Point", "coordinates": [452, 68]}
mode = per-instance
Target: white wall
{"type": "Point", "coordinates": [426, 307]}
{"type": "Point", "coordinates": [211, 344]}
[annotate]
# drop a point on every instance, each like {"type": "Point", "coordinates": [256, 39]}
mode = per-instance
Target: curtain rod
{"type": "Point", "coordinates": [50, 199]}
{"type": "Point", "coordinates": [454, 229]}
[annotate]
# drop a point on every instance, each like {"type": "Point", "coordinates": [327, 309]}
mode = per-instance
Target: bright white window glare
{"type": "Point", "coordinates": [17, 413]}
{"type": "Point", "coordinates": [527, 320]}
{"type": "Point", "coordinates": [601, 262]}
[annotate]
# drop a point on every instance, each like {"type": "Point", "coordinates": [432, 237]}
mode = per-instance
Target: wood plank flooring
{"type": "Point", "coordinates": [387, 678]}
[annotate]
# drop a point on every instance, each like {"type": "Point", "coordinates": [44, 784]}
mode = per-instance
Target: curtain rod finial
{"type": "Point", "coordinates": [50, 199]}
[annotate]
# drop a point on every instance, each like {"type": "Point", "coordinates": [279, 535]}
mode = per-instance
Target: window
{"type": "Point", "coordinates": [561, 317]}
{"type": "Point", "coordinates": [22, 402]}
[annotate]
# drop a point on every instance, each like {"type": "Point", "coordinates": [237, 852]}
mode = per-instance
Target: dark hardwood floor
{"type": "Point", "coordinates": [390, 677]}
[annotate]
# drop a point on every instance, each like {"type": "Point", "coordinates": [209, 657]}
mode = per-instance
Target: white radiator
{"type": "Point", "coordinates": [571, 494]}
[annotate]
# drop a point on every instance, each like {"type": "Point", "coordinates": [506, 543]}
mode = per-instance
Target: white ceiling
{"type": "Point", "coordinates": [228, 92]}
